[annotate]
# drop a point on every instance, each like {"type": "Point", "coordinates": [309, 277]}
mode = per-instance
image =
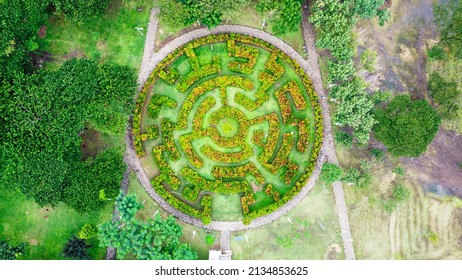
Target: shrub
{"type": "Point", "coordinates": [401, 193]}
{"type": "Point", "coordinates": [209, 239]}
{"type": "Point", "coordinates": [76, 249]}
{"type": "Point", "coordinates": [10, 252]}
{"type": "Point", "coordinates": [399, 170]}
{"type": "Point", "coordinates": [330, 173]}
{"type": "Point", "coordinates": [436, 53]}
{"type": "Point", "coordinates": [88, 231]}
{"type": "Point", "coordinates": [369, 59]}
{"type": "Point", "coordinates": [377, 154]}
{"type": "Point", "coordinates": [344, 139]}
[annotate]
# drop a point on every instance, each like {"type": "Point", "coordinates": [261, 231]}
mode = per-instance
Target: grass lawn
{"type": "Point", "coordinates": [309, 231]}
{"type": "Point", "coordinates": [46, 229]}
{"type": "Point", "coordinates": [112, 37]}
{"type": "Point", "coordinates": [403, 234]}
{"type": "Point", "coordinates": [193, 235]}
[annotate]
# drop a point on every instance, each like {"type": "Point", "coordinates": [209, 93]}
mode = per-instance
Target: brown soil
{"type": "Point", "coordinates": [42, 33]}
{"type": "Point", "coordinates": [438, 168]}
{"type": "Point", "coordinates": [92, 143]}
{"type": "Point", "coordinates": [401, 66]}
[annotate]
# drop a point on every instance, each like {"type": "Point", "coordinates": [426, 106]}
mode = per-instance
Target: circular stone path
{"type": "Point", "coordinates": [223, 128]}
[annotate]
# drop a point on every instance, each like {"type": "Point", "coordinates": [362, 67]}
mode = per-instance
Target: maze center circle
{"type": "Point", "coordinates": [232, 126]}
{"type": "Point", "coordinates": [227, 127]}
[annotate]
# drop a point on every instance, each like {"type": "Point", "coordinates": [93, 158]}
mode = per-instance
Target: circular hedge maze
{"type": "Point", "coordinates": [232, 126]}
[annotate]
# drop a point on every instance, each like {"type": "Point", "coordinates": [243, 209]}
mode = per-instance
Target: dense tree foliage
{"type": "Point", "coordinates": [83, 192]}
{"type": "Point", "coordinates": [42, 115]}
{"type": "Point", "coordinates": [10, 252]}
{"type": "Point", "coordinates": [19, 23]}
{"type": "Point", "coordinates": [286, 15]}
{"type": "Point", "coordinates": [367, 8]}
{"type": "Point", "coordinates": [156, 239]}
{"type": "Point", "coordinates": [80, 10]}
{"type": "Point", "coordinates": [76, 249]}
{"type": "Point", "coordinates": [406, 127]}
{"type": "Point", "coordinates": [355, 108]}
{"type": "Point", "coordinates": [445, 94]}
{"type": "Point", "coordinates": [210, 13]}
{"type": "Point", "coordinates": [448, 16]}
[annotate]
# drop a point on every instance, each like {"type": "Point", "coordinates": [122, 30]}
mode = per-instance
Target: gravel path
{"type": "Point", "coordinates": [314, 73]}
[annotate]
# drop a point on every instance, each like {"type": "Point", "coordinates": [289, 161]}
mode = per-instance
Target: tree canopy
{"type": "Point", "coordinates": [10, 252]}
{"type": "Point", "coordinates": [42, 115]}
{"type": "Point", "coordinates": [406, 127]}
{"type": "Point", "coordinates": [286, 14]}
{"type": "Point", "coordinates": [80, 10]}
{"type": "Point", "coordinates": [76, 249]}
{"type": "Point", "coordinates": [330, 173]}
{"type": "Point", "coordinates": [448, 17]}
{"type": "Point", "coordinates": [153, 239]}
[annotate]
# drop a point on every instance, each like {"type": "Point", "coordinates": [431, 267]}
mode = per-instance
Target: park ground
{"type": "Point", "coordinates": [427, 226]}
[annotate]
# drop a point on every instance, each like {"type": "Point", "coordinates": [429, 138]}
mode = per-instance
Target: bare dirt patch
{"type": "Point", "coordinates": [401, 66]}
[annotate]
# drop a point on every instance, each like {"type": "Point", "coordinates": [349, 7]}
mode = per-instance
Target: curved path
{"type": "Point", "coordinates": [311, 67]}
{"type": "Point", "coordinates": [314, 73]}
{"type": "Point", "coordinates": [132, 158]}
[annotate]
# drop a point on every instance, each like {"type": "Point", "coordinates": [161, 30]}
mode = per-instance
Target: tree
{"type": "Point", "coordinates": [19, 22]}
{"type": "Point", "coordinates": [83, 192]}
{"type": "Point", "coordinates": [406, 127]}
{"type": "Point", "coordinates": [355, 108]}
{"type": "Point", "coordinates": [330, 173]}
{"type": "Point", "coordinates": [76, 249]}
{"type": "Point", "coordinates": [52, 108]}
{"type": "Point", "coordinates": [80, 10]}
{"type": "Point", "coordinates": [10, 252]}
{"type": "Point", "coordinates": [367, 8]}
{"type": "Point", "coordinates": [445, 95]}
{"type": "Point", "coordinates": [378, 154]}
{"type": "Point", "coordinates": [448, 17]}
{"type": "Point", "coordinates": [286, 15]}
{"type": "Point", "coordinates": [334, 19]}
{"type": "Point", "coordinates": [156, 239]}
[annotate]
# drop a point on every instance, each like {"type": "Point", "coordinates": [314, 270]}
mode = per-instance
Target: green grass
{"type": "Point", "coordinates": [112, 37]}
{"type": "Point", "coordinates": [404, 233]}
{"type": "Point", "coordinates": [46, 229]}
{"type": "Point", "coordinates": [227, 207]}
{"type": "Point", "coordinates": [313, 231]}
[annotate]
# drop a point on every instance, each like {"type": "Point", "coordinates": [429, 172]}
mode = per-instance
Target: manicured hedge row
{"type": "Point", "coordinates": [205, 215]}
{"type": "Point", "coordinates": [242, 51]}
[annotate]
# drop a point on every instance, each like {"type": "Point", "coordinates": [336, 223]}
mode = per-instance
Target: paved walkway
{"type": "Point", "coordinates": [314, 72]}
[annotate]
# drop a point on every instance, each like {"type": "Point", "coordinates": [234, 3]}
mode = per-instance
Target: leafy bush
{"type": "Point", "coordinates": [436, 53]}
{"type": "Point", "coordinates": [157, 239]}
{"type": "Point", "coordinates": [10, 252]}
{"type": "Point", "coordinates": [76, 249]}
{"type": "Point", "coordinates": [369, 60]}
{"type": "Point", "coordinates": [384, 15]}
{"type": "Point", "coordinates": [80, 10]}
{"type": "Point", "coordinates": [88, 231]}
{"type": "Point", "coordinates": [445, 95]}
{"type": "Point", "coordinates": [330, 173]}
{"type": "Point", "coordinates": [401, 193]}
{"type": "Point", "coordinates": [344, 138]}
{"type": "Point", "coordinates": [378, 154]}
{"type": "Point", "coordinates": [406, 127]}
